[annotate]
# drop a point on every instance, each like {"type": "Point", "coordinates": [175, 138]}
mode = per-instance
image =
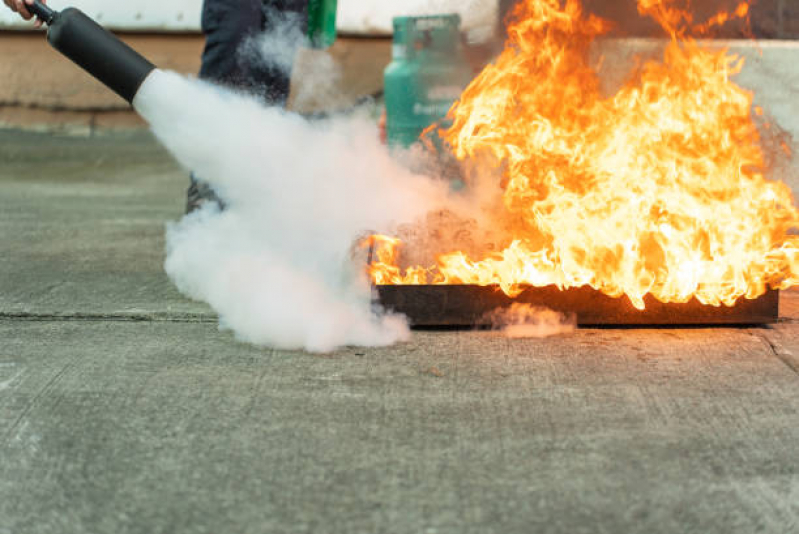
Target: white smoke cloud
{"type": "Point", "coordinates": [275, 263]}
{"type": "Point", "coordinates": [278, 46]}
{"type": "Point", "coordinates": [524, 320]}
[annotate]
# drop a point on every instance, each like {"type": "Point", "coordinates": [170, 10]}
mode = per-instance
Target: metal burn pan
{"type": "Point", "coordinates": [469, 305]}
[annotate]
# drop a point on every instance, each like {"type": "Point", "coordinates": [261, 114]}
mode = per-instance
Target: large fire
{"type": "Point", "coordinates": [658, 189]}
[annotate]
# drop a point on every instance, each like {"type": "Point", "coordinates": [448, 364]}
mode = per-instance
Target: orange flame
{"type": "Point", "coordinates": [656, 190]}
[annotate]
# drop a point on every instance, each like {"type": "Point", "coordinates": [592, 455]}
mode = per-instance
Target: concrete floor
{"type": "Point", "coordinates": [124, 409]}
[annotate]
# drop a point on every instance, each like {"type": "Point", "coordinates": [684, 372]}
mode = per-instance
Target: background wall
{"type": "Point", "coordinates": [355, 16]}
{"type": "Point", "coordinates": [179, 15]}
{"type": "Point", "coordinates": [40, 90]}
{"type": "Point", "coordinates": [770, 19]}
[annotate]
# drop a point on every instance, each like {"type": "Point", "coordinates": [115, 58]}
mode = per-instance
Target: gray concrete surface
{"type": "Point", "coordinates": [82, 224]}
{"type": "Point", "coordinates": [123, 409]}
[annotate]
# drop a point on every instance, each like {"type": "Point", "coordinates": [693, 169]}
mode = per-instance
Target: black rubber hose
{"type": "Point", "coordinates": [94, 49]}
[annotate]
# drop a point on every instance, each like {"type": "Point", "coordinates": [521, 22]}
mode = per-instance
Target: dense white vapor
{"type": "Point", "coordinates": [278, 46]}
{"type": "Point", "coordinates": [526, 321]}
{"type": "Point", "coordinates": [275, 263]}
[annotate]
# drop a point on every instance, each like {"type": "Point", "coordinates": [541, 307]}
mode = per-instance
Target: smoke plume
{"type": "Point", "coordinates": [276, 262]}
{"type": "Point", "coordinates": [524, 320]}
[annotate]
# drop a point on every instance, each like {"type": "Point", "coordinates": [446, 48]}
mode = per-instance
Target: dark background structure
{"type": "Point", "coordinates": [770, 19]}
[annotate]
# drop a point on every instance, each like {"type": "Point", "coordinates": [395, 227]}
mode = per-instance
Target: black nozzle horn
{"type": "Point", "coordinates": [98, 52]}
{"type": "Point", "coordinates": [41, 11]}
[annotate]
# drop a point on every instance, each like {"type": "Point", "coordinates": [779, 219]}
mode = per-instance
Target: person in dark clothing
{"type": "Point", "coordinates": [228, 25]}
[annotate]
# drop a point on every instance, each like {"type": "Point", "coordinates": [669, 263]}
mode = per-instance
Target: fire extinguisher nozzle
{"type": "Point", "coordinates": [98, 52]}
{"type": "Point", "coordinates": [42, 12]}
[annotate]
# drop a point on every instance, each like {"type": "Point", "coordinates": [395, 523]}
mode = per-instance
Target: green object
{"type": "Point", "coordinates": [322, 22]}
{"type": "Point", "coordinates": [426, 76]}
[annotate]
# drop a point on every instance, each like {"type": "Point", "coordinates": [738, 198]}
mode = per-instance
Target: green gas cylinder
{"type": "Point", "coordinates": [426, 76]}
{"type": "Point", "coordinates": [322, 22]}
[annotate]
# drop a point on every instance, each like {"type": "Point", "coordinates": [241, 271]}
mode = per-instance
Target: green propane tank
{"type": "Point", "coordinates": [426, 76]}
{"type": "Point", "coordinates": [322, 22]}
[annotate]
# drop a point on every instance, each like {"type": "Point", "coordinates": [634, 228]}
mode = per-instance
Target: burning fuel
{"type": "Point", "coordinates": [658, 189]}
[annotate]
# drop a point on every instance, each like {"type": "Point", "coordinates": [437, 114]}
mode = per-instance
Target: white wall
{"type": "Point", "coordinates": [374, 16]}
{"type": "Point", "coordinates": [129, 14]}
{"type": "Point", "coordinates": [355, 16]}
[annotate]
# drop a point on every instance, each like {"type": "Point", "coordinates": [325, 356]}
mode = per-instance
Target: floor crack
{"type": "Point", "coordinates": [134, 317]}
{"type": "Point", "coordinates": [780, 352]}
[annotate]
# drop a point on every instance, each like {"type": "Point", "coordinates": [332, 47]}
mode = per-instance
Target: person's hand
{"type": "Point", "coordinates": [381, 125]}
{"type": "Point", "coordinates": [21, 7]}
